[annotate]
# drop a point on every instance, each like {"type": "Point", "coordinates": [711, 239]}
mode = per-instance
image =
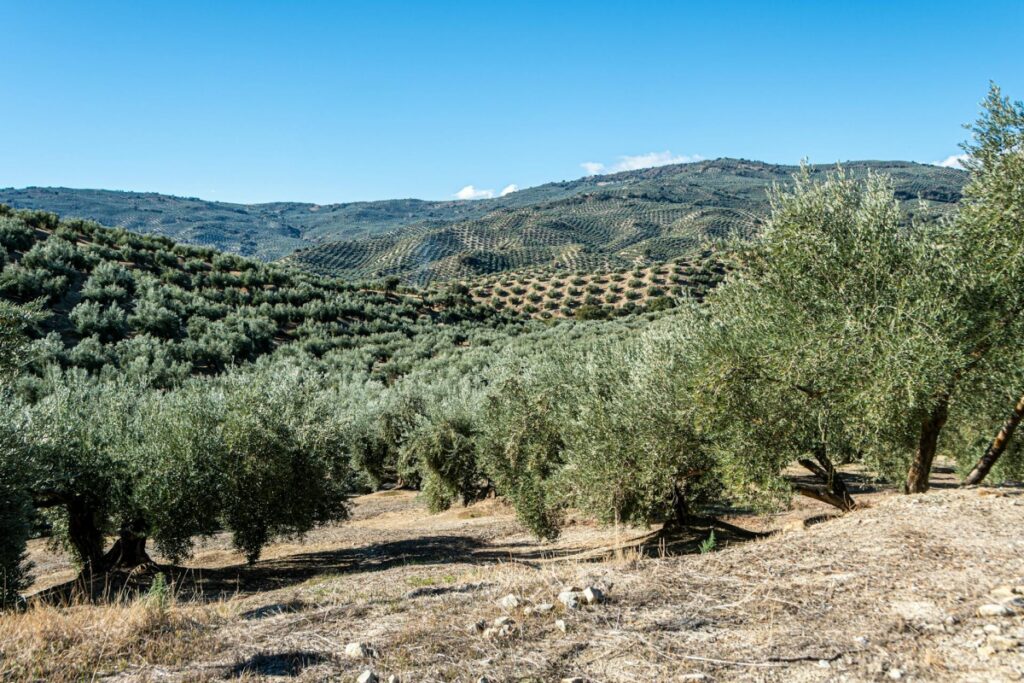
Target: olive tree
{"type": "Point", "coordinates": [819, 348]}
{"type": "Point", "coordinates": [255, 452]}
{"type": "Point", "coordinates": [15, 502]}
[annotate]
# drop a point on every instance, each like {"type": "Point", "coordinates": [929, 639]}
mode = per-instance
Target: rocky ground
{"type": "Point", "coordinates": [922, 588]}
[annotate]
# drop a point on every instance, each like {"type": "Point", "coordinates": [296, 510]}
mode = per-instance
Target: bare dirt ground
{"type": "Point", "coordinates": [890, 591]}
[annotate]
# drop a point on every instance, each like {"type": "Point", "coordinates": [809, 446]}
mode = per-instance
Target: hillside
{"type": "Point", "coordinates": [548, 293]}
{"type": "Point", "coordinates": [634, 218]}
{"type": "Point", "coordinates": [162, 311]}
{"type": "Point", "coordinates": [649, 215]}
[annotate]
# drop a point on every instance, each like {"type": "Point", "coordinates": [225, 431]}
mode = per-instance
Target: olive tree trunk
{"type": "Point", "coordinates": [832, 489]}
{"type": "Point", "coordinates": [129, 550]}
{"type": "Point", "coordinates": [85, 535]}
{"type": "Point", "coordinates": [997, 447]}
{"type": "Point", "coordinates": [927, 443]}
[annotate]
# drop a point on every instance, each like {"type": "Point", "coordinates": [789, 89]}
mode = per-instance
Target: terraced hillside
{"type": "Point", "coordinates": [630, 219]}
{"type": "Point", "coordinates": [546, 293]}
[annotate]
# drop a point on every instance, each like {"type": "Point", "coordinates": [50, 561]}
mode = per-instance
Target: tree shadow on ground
{"type": "Point", "coordinates": [241, 579]}
{"type": "Point", "coordinates": [277, 664]}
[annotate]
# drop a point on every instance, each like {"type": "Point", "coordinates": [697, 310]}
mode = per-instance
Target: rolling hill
{"type": "Point", "coordinates": [159, 311]}
{"type": "Point", "coordinates": [615, 221]}
{"type": "Point", "coordinates": [635, 218]}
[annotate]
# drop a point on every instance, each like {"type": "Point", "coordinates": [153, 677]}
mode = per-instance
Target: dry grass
{"type": "Point", "coordinates": [892, 586]}
{"type": "Point", "coordinates": [84, 640]}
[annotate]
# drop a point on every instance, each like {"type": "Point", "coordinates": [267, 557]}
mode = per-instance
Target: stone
{"type": "Point", "coordinates": [570, 598]}
{"type": "Point", "coordinates": [1002, 593]}
{"type": "Point", "coordinates": [986, 651]}
{"type": "Point", "coordinates": [367, 677]}
{"type": "Point", "coordinates": [484, 679]}
{"type": "Point", "coordinates": [358, 651]}
{"type": "Point", "coordinates": [992, 629]}
{"type": "Point", "coordinates": [574, 679]}
{"type": "Point", "coordinates": [895, 674]}
{"type": "Point", "coordinates": [543, 608]}
{"type": "Point", "coordinates": [1016, 605]}
{"type": "Point", "coordinates": [861, 641]}
{"type": "Point", "coordinates": [994, 610]}
{"type": "Point", "coordinates": [592, 596]}
{"type": "Point", "coordinates": [478, 627]}
{"type": "Point", "coordinates": [1002, 643]}
{"type": "Point", "coordinates": [504, 627]}
{"type": "Point", "coordinates": [511, 602]}
{"type": "Point", "coordinates": [394, 679]}
{"type": "Point", "coordinates": [561, 625]}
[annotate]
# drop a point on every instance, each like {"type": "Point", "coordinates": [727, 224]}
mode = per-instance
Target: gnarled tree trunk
{"type": "Point", "coordinates": [85, 535]}
{"type": "Point", "coordinates": [129, 550]}
{"type": "Point", "coordinates": [997, 447]}
{"type": "Point", "coordinates": [927, 443]}
{"type": "Point", "coordinates": [832, 489]}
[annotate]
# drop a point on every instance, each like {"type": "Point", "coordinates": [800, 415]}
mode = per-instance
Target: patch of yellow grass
{"type": "Point", "coordinates": [79, 641]}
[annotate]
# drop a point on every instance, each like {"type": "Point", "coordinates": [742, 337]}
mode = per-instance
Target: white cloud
{"type": "Point", "coordinates": [952, 161]}
{"type": "Point", "coordinates": [509, 189]}
{"type": "Point", "coordinates": [638, 161]}
{"type": "Point", "coordinates": [470, 192]}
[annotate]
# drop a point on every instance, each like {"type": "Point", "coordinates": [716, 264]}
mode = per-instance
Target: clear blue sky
{"type": "Point", "coordinates": [340, 101]}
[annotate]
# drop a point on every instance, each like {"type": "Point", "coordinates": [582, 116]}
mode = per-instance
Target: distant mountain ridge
{"type": "Point", "coordinates": [641, 216]}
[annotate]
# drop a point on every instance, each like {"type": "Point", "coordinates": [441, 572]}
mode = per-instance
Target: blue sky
{"type": "Point", "coordinates": [342, 101]}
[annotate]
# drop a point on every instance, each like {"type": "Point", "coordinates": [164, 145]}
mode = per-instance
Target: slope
{"type": "Point", "coordinates": [159, 311]}
{"type": "Point", "coordinates": [628, 219]}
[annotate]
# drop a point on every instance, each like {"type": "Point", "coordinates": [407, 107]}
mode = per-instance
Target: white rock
{"type": "Point", "coordinates": [511, 602]}
{"type": "Point", "coordinates": [503, 621]}
{"type": "Point", "coordinates": [574, 679]}
{"type": "Point", "coordinates": [1003, 593]}
{"type": "Point", "coordinates": [824, 664]}
{"type": "Point", "coordinates": [992, 629]}
{"type": "Point", "coordinates": [895, 674]}
{"type": "Point", "coordinates": [570, 598]}
{"type": "Point", "coordinates": [561, 625]}
{"type": "Point", "coordinates": [543, 608]}
{"type": "Point", "coordinates": [1002, 643]}
{"type": "Point", "coordinates": [861, 641]}
{"type": "Point", "coordinates": [592, 595]}
{"type": "Point", "coordinates": [986, 651]}
{"type": "Point", "coordinates": [394, 679]}
{"type": "Point", "coordinates": [367, 677]}
{"type": "Point", "coordinates": [358, 650]}
{"type": "Point", "coordinates": [994, 611]}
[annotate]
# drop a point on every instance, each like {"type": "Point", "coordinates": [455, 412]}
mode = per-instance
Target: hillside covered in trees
{"type": "Point", "coordinates": [618, 221]}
